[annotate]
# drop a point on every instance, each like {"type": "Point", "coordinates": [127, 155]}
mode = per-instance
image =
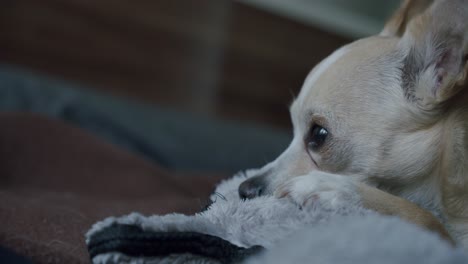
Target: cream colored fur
{"type": "Point", "coordinates": [396, 108]}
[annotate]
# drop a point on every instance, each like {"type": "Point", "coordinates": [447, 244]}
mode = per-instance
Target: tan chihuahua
{"type": "Point", "coordinates": [383, 122]}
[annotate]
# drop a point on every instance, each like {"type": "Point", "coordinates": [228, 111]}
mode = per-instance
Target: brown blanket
{"type": "Point", "coordinates": [57, 180]}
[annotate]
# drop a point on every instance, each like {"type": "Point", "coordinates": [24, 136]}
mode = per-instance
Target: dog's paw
{"type": "Point", "coordinates": [320, 189]}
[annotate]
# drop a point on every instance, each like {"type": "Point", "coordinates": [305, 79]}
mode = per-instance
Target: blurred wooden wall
{"type": "Point", "coordinates": [216, 57]}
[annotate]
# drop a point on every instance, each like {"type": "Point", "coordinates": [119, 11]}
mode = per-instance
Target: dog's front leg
{"type": "Point", "coordinates": [334, 191]}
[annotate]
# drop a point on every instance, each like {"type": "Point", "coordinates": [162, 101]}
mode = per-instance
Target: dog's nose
{"type": "Point", "coordinates": [251, 188]}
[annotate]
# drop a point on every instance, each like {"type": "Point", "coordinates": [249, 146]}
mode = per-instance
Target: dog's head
{"type": "Point", "coordinates": [375, 109]}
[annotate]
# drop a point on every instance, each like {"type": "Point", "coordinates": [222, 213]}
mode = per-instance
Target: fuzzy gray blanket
{"type": "Point", "coordinates": [266, 230]}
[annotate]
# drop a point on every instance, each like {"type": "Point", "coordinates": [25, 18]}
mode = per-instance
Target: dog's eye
{"type": "Point", "coordinates": [317, 137]}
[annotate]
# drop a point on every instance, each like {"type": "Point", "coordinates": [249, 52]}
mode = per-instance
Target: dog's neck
{"type": "Point", "coordinates": [441, 174]}
{"type": "Point", "coordinates": [453, 170]}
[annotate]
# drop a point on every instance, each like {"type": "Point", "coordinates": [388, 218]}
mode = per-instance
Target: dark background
{"type": "Point", "coordinates": [218, 58]}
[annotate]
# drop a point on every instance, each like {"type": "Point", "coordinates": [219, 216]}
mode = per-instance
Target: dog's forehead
{"type": "Point", "coordinates": [347, 74]}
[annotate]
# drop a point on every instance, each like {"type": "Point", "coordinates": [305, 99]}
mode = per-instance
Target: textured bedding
{"type": "Point", "coordinates": [266, 230]}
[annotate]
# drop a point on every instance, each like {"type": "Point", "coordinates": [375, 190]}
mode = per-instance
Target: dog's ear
{"type": "Point", "coordinates": [435, 46]}
{"type": "Point", "coordinates": [408, 9]}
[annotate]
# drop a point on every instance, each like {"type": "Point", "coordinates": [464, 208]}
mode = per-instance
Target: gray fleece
{"type": "Point", "coordinates": [347, 234]}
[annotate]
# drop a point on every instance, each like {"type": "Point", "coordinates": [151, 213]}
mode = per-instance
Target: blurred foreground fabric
{"type": "Point", "coordinates": [56, 180]}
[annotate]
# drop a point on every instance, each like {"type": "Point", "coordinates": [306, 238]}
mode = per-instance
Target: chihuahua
{"type": "Point", "coordinates": [383, 123]}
